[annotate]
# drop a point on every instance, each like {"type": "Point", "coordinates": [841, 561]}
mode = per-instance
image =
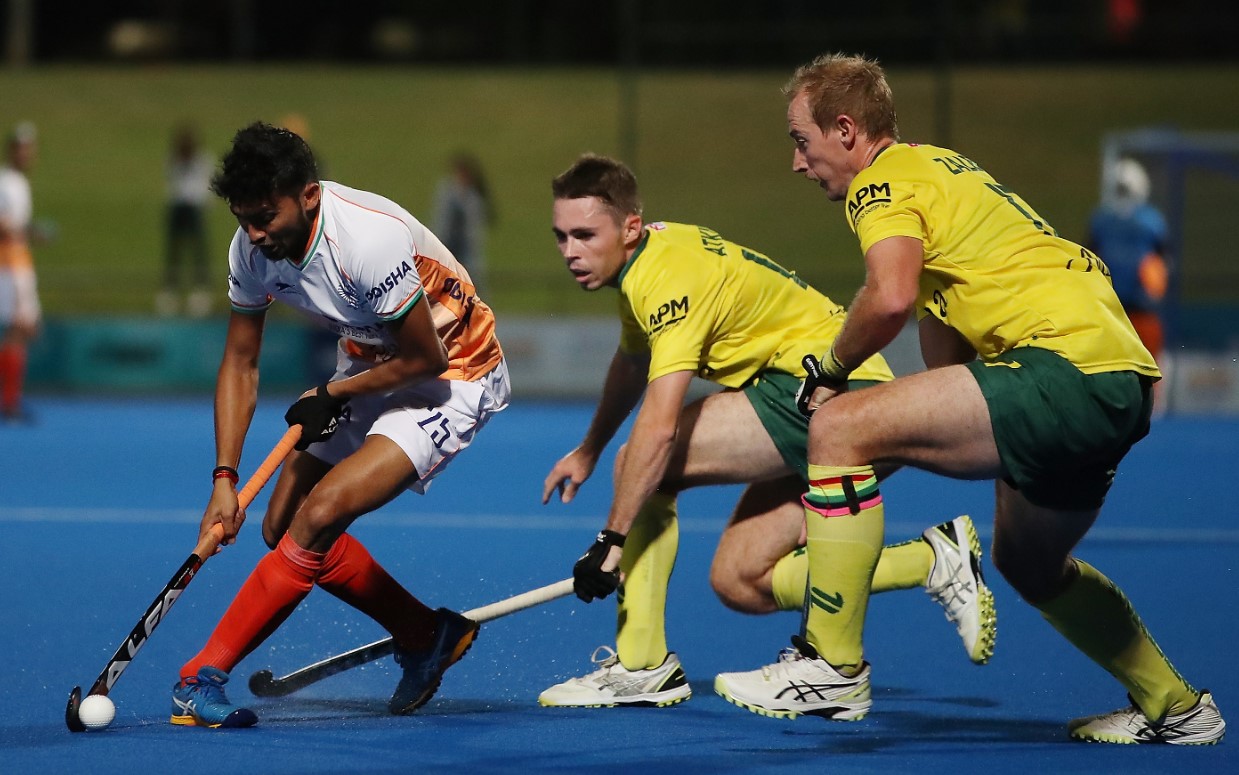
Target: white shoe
{"type": "Point", "coordinates": [613, 684]}
{"type": "Point", "coordinates": [801, 682]}
{"type": "Point", "coordinates": [955, 583]}
{"type": "Point", "coordinates": [1201, 725]}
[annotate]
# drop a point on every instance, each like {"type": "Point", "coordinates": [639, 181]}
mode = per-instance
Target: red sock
{"type": "Point", "coordinates": [12, 371]}
{"type": "Point", "coordinates": [279, 582]}
{"type": "Point", "coordinates": [352, 575]}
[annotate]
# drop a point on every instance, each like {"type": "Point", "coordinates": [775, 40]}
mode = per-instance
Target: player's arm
{"type": "Point", "coordinates": [877, 315]}
{"type": "Point", "coordinates": [638, 473]}
{"type": "Point", "coordinates": [624, 385]}
{"type": "Point", "coordinates": [420, 355]}
{"type": "Point", "coordinates": [942, 345]}
{"type": "Point", "coordinates": [236, 395]}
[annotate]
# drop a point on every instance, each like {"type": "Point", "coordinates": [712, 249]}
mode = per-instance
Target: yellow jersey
{"type": "Point", "coordinates": [696, 302]}
{"type": "Point", "coordinates": [995, 271]}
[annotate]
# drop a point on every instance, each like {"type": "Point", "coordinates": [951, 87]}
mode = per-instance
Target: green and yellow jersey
{"type": "Point", "coordinates": [995, 271]}
{"type": "Point", "coordinates": [696, 302]}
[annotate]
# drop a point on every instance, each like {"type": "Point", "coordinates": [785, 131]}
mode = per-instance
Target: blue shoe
{"type": "Point", "coordinates": [423, 670]}
{"type": "Point", "coordinates": [201, 702]}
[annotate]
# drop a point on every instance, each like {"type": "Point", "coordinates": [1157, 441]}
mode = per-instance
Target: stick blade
{"type": "Point", "coordinates": [72, 720]}
{"type": "Point", "coordinates": [263, 684]}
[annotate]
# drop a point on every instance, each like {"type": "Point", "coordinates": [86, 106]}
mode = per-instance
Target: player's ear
{"type": "Point", "coordinates": [631, 228]}
{"type": "Point", "coordinates": [846, 126]}
{"type": "Point", "coordinates": [311, 195]}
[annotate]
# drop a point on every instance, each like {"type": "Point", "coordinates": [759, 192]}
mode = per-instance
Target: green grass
{"type": "Point", "coordinates": [712, 149]}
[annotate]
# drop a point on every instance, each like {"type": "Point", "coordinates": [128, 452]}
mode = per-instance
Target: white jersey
{"type": "Point", "coordinates": [15, 201]}
{"type": "Point", "coordinates": [367, 263]}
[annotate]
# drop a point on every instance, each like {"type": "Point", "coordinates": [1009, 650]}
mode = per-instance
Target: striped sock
{"type": "Point", "coordinates": [844, 522]}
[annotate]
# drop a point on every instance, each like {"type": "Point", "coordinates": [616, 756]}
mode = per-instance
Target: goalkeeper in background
{"type": "Point", "coordinates": [1130, 234]}
{"type": "Point", "coordinates": [694, 304]}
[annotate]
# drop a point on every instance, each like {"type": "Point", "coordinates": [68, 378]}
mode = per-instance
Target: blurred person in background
{"type": "Point", "coordinates": [463, 212]}
{"type": "Point", "coordinates": [19, 300]}
{"type": "Point", "coordinates": [188, 174]}
{"type": "Point", "coordinates": [1130, 235]}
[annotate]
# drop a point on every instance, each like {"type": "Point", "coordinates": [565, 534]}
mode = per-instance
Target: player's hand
{"type": "Point", "coordinates": [596, 574]}
{"type": "Point", "coordinates": [318, 413]}
{"type": "Point", "coordinates": [568, 475]}
{"type": "Point", "coordinates": [224, 509]}
{"type": "Point", "coordinates": [817, 388]}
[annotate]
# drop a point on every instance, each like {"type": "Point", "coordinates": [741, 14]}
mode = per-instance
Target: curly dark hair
{"type": "Point", "coordinates": [265, 161]}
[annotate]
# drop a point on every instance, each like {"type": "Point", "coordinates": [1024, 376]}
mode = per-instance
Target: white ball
{"type": "Point", "coordinates": [96, 712]}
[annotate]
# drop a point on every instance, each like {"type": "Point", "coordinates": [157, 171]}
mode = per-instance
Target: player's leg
{"type": "Point", "coordinates": [719, 441]}
{"type": "Point", "coordinates": [1032, 548]}
{"type": "Point", "coordinates": [937, 420]}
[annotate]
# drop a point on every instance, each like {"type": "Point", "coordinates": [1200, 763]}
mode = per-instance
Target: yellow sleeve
{"type": "Point", "coordinates": [679, 316]}
{"type": "Point", "coordinates": [890, 209]}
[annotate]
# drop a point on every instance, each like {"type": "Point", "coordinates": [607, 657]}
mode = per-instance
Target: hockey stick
{"type": "Point", "coordinates": [264, 684]}
{"type": "Point", "coordinates": [159, 608]}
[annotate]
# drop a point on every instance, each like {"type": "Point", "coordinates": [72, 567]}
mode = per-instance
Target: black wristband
{"type": "Point", "coordinates": [611, 538]}
{"type": "Point", "coordinates": [225, 472]}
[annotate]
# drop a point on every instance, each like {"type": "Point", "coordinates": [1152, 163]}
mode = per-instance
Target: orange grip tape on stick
{"type": "Point", "coordinates": [211, 540]}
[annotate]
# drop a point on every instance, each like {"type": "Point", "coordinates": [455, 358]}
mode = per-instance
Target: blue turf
{"type": "Point", "coordinates": [99, 503]}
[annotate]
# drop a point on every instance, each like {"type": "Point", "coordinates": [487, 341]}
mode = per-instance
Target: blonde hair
{"type": "Point", "coordinates": [842, 84]}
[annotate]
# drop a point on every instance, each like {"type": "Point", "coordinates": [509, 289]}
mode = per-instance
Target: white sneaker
{"type": "Point", "coordinates": [613, 684]}
{"type": "Point", "coordinates": [955, 583]}
{"type": "Point", "coordinates": [1201, 725]}
{"type": "Point", "coordinates": [801, 682]}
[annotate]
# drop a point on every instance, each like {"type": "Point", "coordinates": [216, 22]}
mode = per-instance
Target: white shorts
{"type": "Point", "coordinates": [432, 422]}
{"type": "Point", "coordinates": [19, 297]}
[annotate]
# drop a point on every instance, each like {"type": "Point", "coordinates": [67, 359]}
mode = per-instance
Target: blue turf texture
{"type": "Point", "coordinates": [99, 503]}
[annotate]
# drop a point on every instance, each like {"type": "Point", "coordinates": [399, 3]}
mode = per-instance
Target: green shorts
{"type": "Point", "coordinates": [1060, 432]}
{"type": "Point", "coordinates": [773, 396]}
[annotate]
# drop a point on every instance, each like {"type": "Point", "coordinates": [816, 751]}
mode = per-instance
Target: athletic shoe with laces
{"type": "Point", "coordinates": [200, 701]}
{"type": "Point", "coordinates": [423, 670]}
{"type": "Point", "coordinates": [801, 682]}
{"type": "Point", "coordinates": [613, 684]}
{"type": "Point", "coordinates": [1202, 724]}
{"type": "Point", "coordinates": [955, 582]}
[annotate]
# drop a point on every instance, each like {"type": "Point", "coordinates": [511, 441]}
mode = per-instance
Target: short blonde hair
{"type": "Point", "coordinates": [842, 84]}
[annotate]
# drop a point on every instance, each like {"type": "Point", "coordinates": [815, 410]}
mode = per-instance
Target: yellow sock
{"type": "Point", "coordinates": [844, 515]}
{"type": "Point", "coordinates": [649, 556]}
{"type": "Point", "coordinates": [1098, 619]}
{"type": "Point", "coordinates": [900, 566]}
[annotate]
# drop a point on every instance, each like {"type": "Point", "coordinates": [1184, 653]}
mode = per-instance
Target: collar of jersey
{"type": "Point", "coordinates": [645, 240]}
{"type": "Point", "coordinates": [316, 238]}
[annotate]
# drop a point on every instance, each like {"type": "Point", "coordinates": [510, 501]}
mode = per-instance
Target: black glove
{"type": "Point", "coordinates": [816, 378]}
{"type": "Point", "coordinates": [589, 580]}
{"type": "Point", "coordinates": [318, 415]}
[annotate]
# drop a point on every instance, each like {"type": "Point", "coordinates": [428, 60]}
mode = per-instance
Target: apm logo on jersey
{"type": "Point", "coordinates": [668, 314]}
{"type": "Point", "coordinates": [869, 196]}
{"type": "Point", "coordinates": [389, 282]}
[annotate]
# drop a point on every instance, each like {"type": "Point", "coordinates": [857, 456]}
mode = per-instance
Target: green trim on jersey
{"type": "Point", "coordinates": [1061, 433]}
{"type": "Point", "coordinates": [645, 240]}
{"type": "Point", "coordinates": [404, 309]}
{"type": "Point", "coordinates": [319, 228]}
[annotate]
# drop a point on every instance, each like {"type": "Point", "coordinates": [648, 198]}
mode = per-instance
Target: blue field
{"type": "Point", "coordinates": [99, 503]}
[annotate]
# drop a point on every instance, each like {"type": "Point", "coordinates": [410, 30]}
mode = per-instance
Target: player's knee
{"type": "Point", "coordinates": [1036, 580]}
{"type": "Point", "coordinates": [735, 592]}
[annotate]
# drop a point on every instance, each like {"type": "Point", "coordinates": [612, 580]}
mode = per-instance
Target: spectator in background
{"type": "Point", "coordinates": [188, 172]}
{"type": "Point", "coordinates": [19, 300]}
{"type": "Point", "coordinates": [1129, 235]}
{"type": "Point", "coordinates": [462, 214]}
